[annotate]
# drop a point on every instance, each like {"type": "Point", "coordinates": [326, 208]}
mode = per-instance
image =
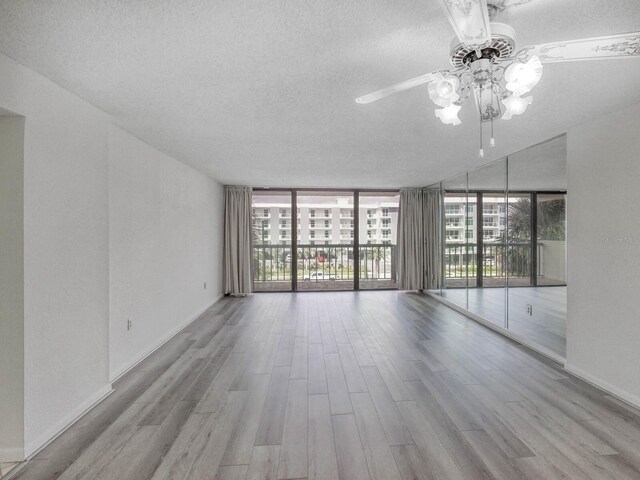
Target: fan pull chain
{"type": "Point", "coordinates": [481, 149]}
{"type": "Point", "coordinates": [492, 142]}
{"type": "Point", "coordinates": [479, 95]}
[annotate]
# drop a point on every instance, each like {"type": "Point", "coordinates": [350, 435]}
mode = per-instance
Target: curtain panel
{"type": "Point", "coordinates": [433, 238]}
{"type": "Point", "coordinates": [237, 241]}
{"type": "Point", "coordinates": [411, 239]}
{"type": "Point", "coordinates": [419, 239]}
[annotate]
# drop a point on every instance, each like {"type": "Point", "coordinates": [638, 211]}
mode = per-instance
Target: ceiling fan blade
{"type": "Point", "coordinates": [594, 48]}
{"type": "Point", "coordinates": [470, 21]}
{"type": "Point", "coordinates": [398, 87]}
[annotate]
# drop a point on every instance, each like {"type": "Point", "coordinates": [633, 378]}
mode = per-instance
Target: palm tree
{"type": "Point", "coordinates": [258, 253]}
{"type": "Point", "coordinates": [376, 254]}
{"type": "Point", "coordinates": [550, 226]}
{"type": "Point", "coordinates": [552, 219]}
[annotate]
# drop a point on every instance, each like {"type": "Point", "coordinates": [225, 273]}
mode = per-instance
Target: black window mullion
{"type": "Point", "coordinates": [534, 240]}
{"type": "Point", "coordinates": [480, 240]}
{"type": "Point", "coordinates": [294, 241]}
{"type": "Point", "coordinates": [356, 240]}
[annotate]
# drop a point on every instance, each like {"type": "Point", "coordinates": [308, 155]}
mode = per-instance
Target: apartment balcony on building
{"type": "Point", "coordinates": [261, 213]}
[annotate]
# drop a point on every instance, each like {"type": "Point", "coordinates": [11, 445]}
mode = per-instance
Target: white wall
{"type": "Point", "coordinates": [165, 243]}
{"type": "Point", "coordinates": [65, 250]}
{"type": "Point", "coordinates": [554, 257]}
{"type": "Point", "coordinates": [11, 289]}
{"type": "Point", "coordinates": [603, 213]}
{"type": "Point", "coordinates": [67, 168]}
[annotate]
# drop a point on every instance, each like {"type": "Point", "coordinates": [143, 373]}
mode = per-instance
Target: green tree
{"type": "Point", "coordinates": [550, 226]}
{"type": "Point", "coordinates": [258, 253]}
{"type": "Point", "coordinates": [375, 254]}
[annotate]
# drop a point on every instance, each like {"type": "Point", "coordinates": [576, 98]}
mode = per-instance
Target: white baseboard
{"type": "Point", "coordinates": [507, 333]}
{"type": "Point", "coordinates": [626, 397]}
{"type": "Point", "coordinates": [120, 372]}
{"type": "Point", "coordinates": [607, 387]}
{"type": "Point", "coordinates": [49, 435]}
{"type": "Point", "coordinates": [10, 455]}
{"type": "Point", "coordinates": [35, 446]}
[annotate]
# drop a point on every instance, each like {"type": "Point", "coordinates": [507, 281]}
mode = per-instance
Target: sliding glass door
{"type": "Point", "coordinates": [272, 241]}
{"type": "Point", "coordinates": [378, 226]}
{"type": "Point", "coordinates": [322, 240]}
{"type": "Point", "coordinates": [325, 254]}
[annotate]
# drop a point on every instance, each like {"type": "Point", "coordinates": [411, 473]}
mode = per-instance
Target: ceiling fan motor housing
{"type": "Point", "coordinates": [502, 45]}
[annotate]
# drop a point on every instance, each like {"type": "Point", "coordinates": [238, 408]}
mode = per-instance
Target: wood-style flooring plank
{"type": "Point", "coordinates": [293, 454]}
{"type": "Point", "coordinates": [240, 446]}
{"type": "Point", "coordinates": [394, 428]}
{"type": "Point", "coordinates": [197, 452]}
{"type": "Point", "coordinates": [337, 385]}
{"type": "Point", "coordinates": [351, 368]}
{"type": "Point", "coordinates": [323, 464]}
{"type": "Point", "coordinates": [273, 411]}
{"type": "Point", "coordinates": [232, 472]}
{"type": "Point", "coordinates": [380, 461]}
{"type": "Point", "coordinates": [317, 374]}
{"type": "Point", "coordinates": [264, 463]}
{"type": "Point", "coordinates": [368, 385]}
{"type": "Point", "coordinates": [352, 463]}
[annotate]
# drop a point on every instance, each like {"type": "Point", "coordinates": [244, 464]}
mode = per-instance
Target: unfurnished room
{"type": "Point", "coordinates": [339, 240]}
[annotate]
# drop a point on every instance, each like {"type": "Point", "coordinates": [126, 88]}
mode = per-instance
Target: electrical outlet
{"type": "Point", "coordinates": [129, 324]}
{"type": "Point", "coordinates": [529, 309]}
{"type": "Point", "coordinates": [205, 285]}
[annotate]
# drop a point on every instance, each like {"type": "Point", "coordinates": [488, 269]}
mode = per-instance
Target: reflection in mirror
{"type": "Point", "coordinates": [456, 255]}
{"type": "Point", "coordinates": [537, 244]}
{"type": "Point", "coordinates": [487, 221]}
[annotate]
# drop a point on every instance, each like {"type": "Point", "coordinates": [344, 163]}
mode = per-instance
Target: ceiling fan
{"type": "Point", "coordinates": [487, 65]}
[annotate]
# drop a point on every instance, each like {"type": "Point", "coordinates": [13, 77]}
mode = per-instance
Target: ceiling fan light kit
{"type": "Point", "coordinates": [485, 65]}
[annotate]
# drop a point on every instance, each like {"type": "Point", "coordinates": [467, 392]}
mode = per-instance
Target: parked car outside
{"type": "Point", "coordinates": [318, 276]}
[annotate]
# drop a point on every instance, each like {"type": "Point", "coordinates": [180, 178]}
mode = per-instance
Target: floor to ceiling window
{"type": "Point", "coordinates": [378, 226]}
{"type": "Point", "coordinates": [272, 240]}
{"type": "Point", "coordinates": [325, 253]}
{"type": "Point", "coordinates": [324, 240]}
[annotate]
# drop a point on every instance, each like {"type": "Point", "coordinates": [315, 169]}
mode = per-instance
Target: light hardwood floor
{"type": "Point", "coordinates": [546, 325]}
{"type": "Point", "coordinates": [369, 385]}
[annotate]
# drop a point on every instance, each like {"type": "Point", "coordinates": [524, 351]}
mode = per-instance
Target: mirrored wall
{"type": "Point", "coordinates": [504, 245]}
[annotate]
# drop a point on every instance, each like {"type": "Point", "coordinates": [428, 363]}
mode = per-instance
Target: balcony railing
{"type": "Point", "coordinates": [272, 263]}
{"type": "Point", "coordinates": [461, 260]}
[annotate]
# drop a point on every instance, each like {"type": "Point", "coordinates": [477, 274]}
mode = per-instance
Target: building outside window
{"type": "Point", "coordinates": [450, 209]}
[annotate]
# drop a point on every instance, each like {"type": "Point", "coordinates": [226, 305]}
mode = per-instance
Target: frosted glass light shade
{"type": "Point", "coordinates": [449, 115]}
{"type": "Point", "coordinates": [515, 105]}
{"type": "Point", "coordinates": [522, 77]}
{"type": "Point", "coordinates": [444, 90]}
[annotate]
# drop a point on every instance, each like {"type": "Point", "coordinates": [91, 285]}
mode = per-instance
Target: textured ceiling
{"type": "Point", "coordinates": [262, 92]}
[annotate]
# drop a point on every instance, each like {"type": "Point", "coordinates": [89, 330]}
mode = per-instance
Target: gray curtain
{"type": "Point", "coordinates": [411, 239]}
{"type": "Point", "coordinates": [237, 241]}
{"type": "Point", "coordinates": [419, 239]}
{"type": "Point", "coordinates": [433, 238]}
